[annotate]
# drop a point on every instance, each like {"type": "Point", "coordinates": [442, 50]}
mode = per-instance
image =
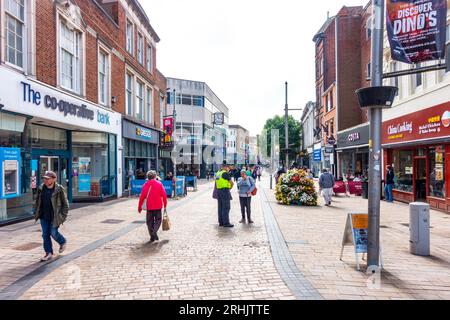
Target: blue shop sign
{"type": "Point", "coordinates": [144, 134]}
{"type": "Point", "coordinates": [318, 155]}
{"type": "Point", "coordinates": [10, 173]}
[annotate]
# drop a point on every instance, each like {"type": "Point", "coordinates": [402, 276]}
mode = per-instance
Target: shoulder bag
{"type": "Point", "coordinates": [144, 205]}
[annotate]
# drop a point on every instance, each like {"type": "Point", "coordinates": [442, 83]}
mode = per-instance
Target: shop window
{"type": "Point", "coordinates": [437, 172]}
{"type": "Point", "coordinates": [403, 169]}
{"type": "Point", "coordinates": [48, 138]}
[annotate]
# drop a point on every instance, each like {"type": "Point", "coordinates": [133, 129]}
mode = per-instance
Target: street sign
{"type": "Point", "coordinates": [329, 149]}
{"type": "Point", "coordinates": [356, 234]}
{"type": "Point", "coordinates": [331, 140]}
{"type": "Point", "coordinates": [219, 119]}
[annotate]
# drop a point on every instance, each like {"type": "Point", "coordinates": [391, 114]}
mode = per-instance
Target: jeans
{"type": "Point", "coordinates": [154, 220]}
{"type": "Point", "coordinates": [246, 203]}
{"type": "Point", "coordinates": [49, 232]}
{"type": "Point", "coordinates": [388, 192]}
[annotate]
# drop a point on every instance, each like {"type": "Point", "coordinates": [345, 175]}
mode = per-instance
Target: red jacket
{"type": "Point", "coordinates": [157, 199]}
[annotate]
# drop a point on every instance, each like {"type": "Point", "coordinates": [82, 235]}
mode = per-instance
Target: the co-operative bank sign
{"type": "Point", "coordinates": [68, 109]}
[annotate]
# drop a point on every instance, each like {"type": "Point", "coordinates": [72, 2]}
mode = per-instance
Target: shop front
{"type": "Point", "coordinates": [417, 145]}
{"type": "Point", "coordinates": [140, 151]}
{"type": "Point", "coordinates": [353, 152]}
{"type": "Point", "coordinates": [60, 132]}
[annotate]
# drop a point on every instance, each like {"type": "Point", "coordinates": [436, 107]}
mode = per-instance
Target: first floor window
{"type": "Point", "coordinates": [70, 52]}
{"type": "Point", "coordinates": [139, 101]}
{"type": "Point", "coordinates": [103, 78]}
{"type": "Point", "coordinates": [149, 111]}
{"type": "Point", "coordinates": [14, 31]}
{"type": "Point", "coordinates": [129, 94]}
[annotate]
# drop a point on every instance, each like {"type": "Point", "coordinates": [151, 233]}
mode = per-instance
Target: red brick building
{"type": "Point", "coordinates": [342, 63]}
{"type": "Point", "coordinates": [82, 96]}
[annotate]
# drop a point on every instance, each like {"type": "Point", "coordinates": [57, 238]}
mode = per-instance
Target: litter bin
{"type": "Point", "coordinates": [365, 189]}
{"type": "Point", "coordinates": [419, 228]}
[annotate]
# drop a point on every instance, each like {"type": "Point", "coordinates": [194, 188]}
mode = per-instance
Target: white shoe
{"type": "Point", "coordinates": [47, 257]}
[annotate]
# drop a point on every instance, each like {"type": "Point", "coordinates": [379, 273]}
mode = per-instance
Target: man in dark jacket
{"type": "Point", "coordinates": [389, 184]}
{"type": "Point", "coordinates": [51, 208]}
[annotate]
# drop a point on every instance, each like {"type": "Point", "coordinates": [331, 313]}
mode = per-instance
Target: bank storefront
{"type": "Point", "coordinates": [418, 147]}
{"type": "Point", "coordinates": [353, 152]}
{"type": "Point", "coordinates": [140, 151]}
{"type": "Point", "coordinates": [56, 131]}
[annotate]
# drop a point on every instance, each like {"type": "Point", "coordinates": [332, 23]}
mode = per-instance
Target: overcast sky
{"type": "Point", "coordinates": [243, 49]}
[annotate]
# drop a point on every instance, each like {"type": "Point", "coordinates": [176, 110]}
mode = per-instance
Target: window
{"type": "Point", "coordinates": [150, 58]}
{"type": "Point", "coordinates": [419, 76]}
{"type": "Point", "coordinates": [139, 101]}
{"type": "Point", "coordinates": [15, 29]}
{"type": "Point", "coordinates": [186, 100]}
{"type": "Point", "coordinates": [327, 106]}
{"type": "Point", "coordinates": [103, 78]}
{"type": "Point", "coordinates": [331, 100]}
{"type": "Point", "coordinates": [130, 37]}
{"type": "Point", "coordinates": [70, 56]}
{"type": "Point", "coordinates": [369, 29]}
{"type": "Point", "coordinates": [403, 169]}
{"type": "Point", "coordinates": [369, 70]}
{"type": "Point", "coordinates": [129, 94]}
{"type": "Point", "coordinates": [437, 172]}
{"type": "Point", "coordinates": [197, 101]}
{"type": "Point", "coordinates": [395, 83]}
{"type": "Point", "coordinates": [149, 109]}
{"type": "Point", "coordinates": [140, 49]}
{"type": "Point", "coordinates": [161, 111]}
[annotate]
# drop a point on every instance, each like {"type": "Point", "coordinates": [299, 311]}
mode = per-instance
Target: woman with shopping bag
{"type": "Point", "coordinates": [153, 199]}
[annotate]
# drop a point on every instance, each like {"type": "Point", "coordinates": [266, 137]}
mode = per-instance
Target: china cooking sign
{"type": "Point", "coordinates": [416, 29]}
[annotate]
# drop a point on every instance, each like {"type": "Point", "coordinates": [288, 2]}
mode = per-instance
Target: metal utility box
{"type": "Point", "coordinates": [419, 228]}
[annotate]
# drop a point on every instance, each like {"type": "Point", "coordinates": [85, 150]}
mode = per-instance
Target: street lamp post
{"type": "Point", "coordinates": [286, 125]}
{"type": "Point", "coordinates": [175, 138]}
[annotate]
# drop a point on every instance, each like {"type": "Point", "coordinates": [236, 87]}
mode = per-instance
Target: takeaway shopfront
{"type": "Point", "coordinates": [353, 152]}
{"type": "Point", "coordinates": [56, 131]}
{"type": "Point", "coordinates": [418, 147]}
{"type": "Point", "coordinates": [140, 151]}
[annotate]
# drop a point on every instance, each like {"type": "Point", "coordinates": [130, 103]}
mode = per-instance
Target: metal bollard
{"type": "Point", "coordinates": [271, 182]}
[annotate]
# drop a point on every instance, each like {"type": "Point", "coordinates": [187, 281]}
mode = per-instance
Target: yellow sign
{"type": "Point", "coordinates": [360, 221]}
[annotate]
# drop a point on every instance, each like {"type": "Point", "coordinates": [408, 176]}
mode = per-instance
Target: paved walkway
{"type": "Point", "coordinates": [290, 253]}
{"type": "Point", "coordinates": [314, 237]}
{"type": "Point", "coordinates": [196, 260]}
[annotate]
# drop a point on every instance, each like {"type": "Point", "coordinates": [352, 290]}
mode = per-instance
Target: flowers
{"type": "Point", "coordinates": [296, 188]}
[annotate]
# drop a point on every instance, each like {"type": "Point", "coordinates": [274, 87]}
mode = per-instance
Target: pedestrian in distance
{"type": "Point", "coordinates": [51, 208]}
{"type": "Point", "coordinates": [326, 184]}
{"type": "Point", "coordinates": [259, 173]}
{"type": "Point", "coordinates": [224, 184]}
{"type": "Point", "coordinates": [246, 186]}
{"type": "Point", "coordinates": [389, 185]}
{"type": "Point", "coordinates": [155, 197]}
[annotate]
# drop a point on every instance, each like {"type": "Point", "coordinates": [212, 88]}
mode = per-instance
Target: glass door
{"type": "Point", "coordinates": [57, 165]}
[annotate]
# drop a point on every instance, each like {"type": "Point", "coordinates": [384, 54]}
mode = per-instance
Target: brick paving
{"type": "Point", "coordinates": [196, 260]}
{"type": "Point", "coordinates": [295, 256]}
{"type": "Point", "coordinates": [314, 237]}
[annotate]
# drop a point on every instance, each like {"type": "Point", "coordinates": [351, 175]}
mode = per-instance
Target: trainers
{"type": "Point", "coordinates": [47, 257]}
{"type": "Point", "coordinates": [63, 247]}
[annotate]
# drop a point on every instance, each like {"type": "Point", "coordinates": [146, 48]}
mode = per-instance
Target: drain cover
{"type": "Point", "coordinates": [112, 221]}
{"type": "Point", "coordinates": [28, 246]}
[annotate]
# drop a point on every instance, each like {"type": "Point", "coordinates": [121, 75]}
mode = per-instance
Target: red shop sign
{"type": "Point", "coordinates": [422, 125]}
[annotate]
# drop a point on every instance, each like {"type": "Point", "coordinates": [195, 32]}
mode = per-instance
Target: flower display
{"type": "Point", "coordinates": [295, 188]}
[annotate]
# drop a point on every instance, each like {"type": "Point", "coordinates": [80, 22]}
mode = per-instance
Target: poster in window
{"type": "Point", "coordinates": [409, 170]}
{"type": "Point", "coordinates": [439, 157]}
{"type": "Point", "coordinates": [84, 174]}
{"type": "Point", "coordinates": [416, 29]}
{"type": "Point", "coordinates": [439, 172]}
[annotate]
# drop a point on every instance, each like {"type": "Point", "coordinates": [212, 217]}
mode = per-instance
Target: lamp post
{"type": "Point", "coordinates": [174, 136]}
{"type": "Point", "coordinates": [286, 125]}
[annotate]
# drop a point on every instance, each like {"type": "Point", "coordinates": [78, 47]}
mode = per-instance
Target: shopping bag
{"type": "Point", "coordinates": [166, 222]}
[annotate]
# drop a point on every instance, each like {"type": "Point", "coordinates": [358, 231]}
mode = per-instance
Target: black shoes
{"type": "Point", "coordinates": [242, 221]}
{"type": "Point", "coordinates": [251, 221]}
{"type": "Point", "coordinates": [228, 226]}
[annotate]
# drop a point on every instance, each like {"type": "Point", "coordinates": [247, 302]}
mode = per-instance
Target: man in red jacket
{"type": "Point", "coordinates": [156, 199]}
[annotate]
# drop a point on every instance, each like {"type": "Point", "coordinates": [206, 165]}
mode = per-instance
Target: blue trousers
{"type": "Point", "coordinates": [388, 192]}
{"type": "Point", "coordinates": [224, 202]}
{"type": "Point", "coordinates": [49, 232]}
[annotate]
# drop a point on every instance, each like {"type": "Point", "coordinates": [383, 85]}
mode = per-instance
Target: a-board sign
{"type": "Point", "coordinates": [356, 234]}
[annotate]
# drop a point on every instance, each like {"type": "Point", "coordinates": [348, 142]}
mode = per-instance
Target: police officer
{"type": "Point", "coordinates": [224, 184]}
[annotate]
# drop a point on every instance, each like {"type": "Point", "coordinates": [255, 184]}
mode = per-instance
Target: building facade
{"type": "Point", "coordinates": [416, 134]}
{"type": "Point", "coordinates": [241, 137]}
{"type": "Point", "coordinates": [342, 66]}
{"type": "Point", "coordinates": [61, 106]}
{"type": "Point", "coordinates": [200, 144]}
{"type": "Point", "coordinates": [308, 129]}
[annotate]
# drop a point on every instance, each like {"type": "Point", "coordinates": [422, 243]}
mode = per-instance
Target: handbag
{"type": "Point", "coordinates": [166, 221]}
{"type": "Point", "coordinates": [144, 205]}
{"type": "Point", "coordinates": [255, 191]}
{"type": "Point", "coordinates": [215, 192]}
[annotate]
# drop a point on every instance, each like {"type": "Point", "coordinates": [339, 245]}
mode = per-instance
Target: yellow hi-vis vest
{"type": "Point", "coordinates": [221, 183]}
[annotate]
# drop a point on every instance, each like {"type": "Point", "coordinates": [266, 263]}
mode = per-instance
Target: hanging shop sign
{"type": "Point", "coordinates": [167, 137]}
{"type": "Point", "coordinates": [416, 29]}
{"type": "Point", "coordinates": [219, 119]}
{"type": "Point", "coordinates": [10, 172]}
{"type": "Point", "coordinates": [356, 234]}
{"type": "Point", "coordinates": [422, 125]}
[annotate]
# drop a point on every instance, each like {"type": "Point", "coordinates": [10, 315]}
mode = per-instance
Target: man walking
{"type": "Point", "coordinates": [224, 184]}
{"type": "Point", "coordinates": [51, 208]}
{"type": "Point", "coordinates": [389, 185]}
{"type": "Point", "coordinates": [326, 184]}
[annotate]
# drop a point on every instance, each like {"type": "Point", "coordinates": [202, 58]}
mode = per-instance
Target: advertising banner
{"type": "Point", "coordinates": [168, 127]}
{"type": "Point", "coordinates": [84, 175]}
{"type": "Point", "coordinates": [416, 29]}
